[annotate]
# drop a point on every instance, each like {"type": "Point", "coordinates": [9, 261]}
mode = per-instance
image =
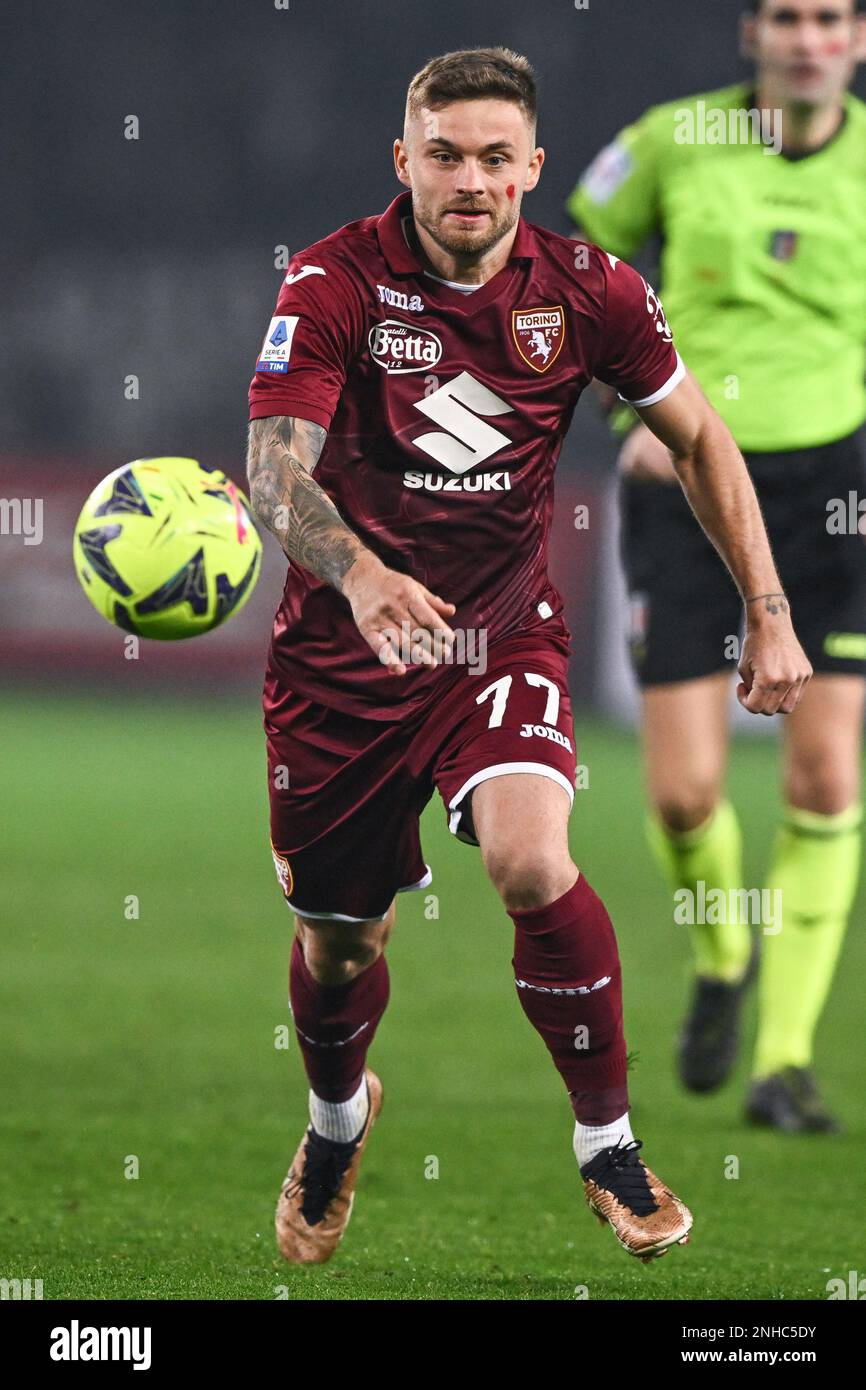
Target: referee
{"type": "Point", "coordinates": [758, 192]}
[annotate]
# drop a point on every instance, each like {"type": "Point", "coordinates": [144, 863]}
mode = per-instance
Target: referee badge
{"type": "Point", "coordinates": [783, 245]}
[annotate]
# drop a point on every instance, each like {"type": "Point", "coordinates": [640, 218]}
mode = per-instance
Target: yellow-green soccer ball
{"type": "Point", "coordinates": [167, 548]}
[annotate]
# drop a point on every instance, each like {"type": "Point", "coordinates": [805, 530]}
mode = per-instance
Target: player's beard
{"type": "Point", "coordinates": [465, 243]}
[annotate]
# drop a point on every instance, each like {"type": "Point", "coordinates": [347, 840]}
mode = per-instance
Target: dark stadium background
{"type": "Point", "coordinates": [153, 1035]}
{"type": "Point", "coordinates": [155, 257]}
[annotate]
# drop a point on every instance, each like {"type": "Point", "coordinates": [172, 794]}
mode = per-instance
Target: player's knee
{"type": "Point", "coordinates": [336, 951]}
{"type": "Point", "coordinates": [817, 783]}
{"type": "Point", "coordinates": [687, 806]}
{"type": "Point", "coordinates": [528, 876]}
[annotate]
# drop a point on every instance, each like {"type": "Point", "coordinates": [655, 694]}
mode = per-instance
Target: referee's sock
{"type": "Point", "coordinates": [710, 855]}
{"type": "Point", "coordinates": [815, 866]}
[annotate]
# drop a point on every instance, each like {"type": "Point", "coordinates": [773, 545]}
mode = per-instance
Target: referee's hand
{"type": "Point", "coordinates": [774, 669]}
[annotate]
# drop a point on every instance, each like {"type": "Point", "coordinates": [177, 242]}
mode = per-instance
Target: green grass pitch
{"type": "Point", "coordinates": [155, 1038]}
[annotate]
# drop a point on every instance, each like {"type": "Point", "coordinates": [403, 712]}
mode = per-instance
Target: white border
{"type": "Point", "coordinates": [344, 916]}
{"type": "Point", "coordinates": [659, 395]}
{"type": "Point", "coordinates": [502, 770]}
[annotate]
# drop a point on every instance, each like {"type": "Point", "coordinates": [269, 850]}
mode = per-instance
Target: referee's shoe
{"type": "Point", "coordinates": [710, 1038]}
{"type": "Point", "coordinates": [789, 1100]}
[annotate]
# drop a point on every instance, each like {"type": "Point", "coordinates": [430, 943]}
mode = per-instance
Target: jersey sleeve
{"type": "Point", "coordinates": [307, 348]}
{"type": "Point", "coordinates": [635, 351]}
{"type": "Point", "coordinates": [616, 201]}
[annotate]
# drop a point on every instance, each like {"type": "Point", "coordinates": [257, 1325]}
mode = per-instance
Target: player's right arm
{"type": "Point", "coordinates": [635, 354]}
{"type": "Point", "coordinates": [282, 453]}
{"type": "Point", "coordinates": [301, 373]}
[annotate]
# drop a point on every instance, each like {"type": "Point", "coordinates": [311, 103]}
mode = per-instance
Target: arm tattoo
{"type": "Point", "coordinates": [283, 451]}
{"type": "Point", "coordinates": [774, 603]}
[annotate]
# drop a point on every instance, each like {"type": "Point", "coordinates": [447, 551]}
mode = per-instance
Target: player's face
{"type": "Point", "coordinates": [468, 166]}
{"type": "Point", "coordinates": [807, 48]}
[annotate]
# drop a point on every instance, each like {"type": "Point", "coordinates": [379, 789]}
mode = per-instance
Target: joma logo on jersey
{"type": "Point", "coordinates": [538, 335]}
{"type": "Point", "coordinates": [546, 731]}
{"type": "Point", "coordinates": [401, 347]}
{"type": "Point", "coordinates": [398, 299]}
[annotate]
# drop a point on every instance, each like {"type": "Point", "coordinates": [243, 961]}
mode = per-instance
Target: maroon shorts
{"type": "Point", "coordinates": [347, 793]}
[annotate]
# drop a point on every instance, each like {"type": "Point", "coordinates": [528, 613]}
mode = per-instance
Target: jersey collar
{"type": "Point", "coordinates": [400, 257]}
{"type": "Point", "coordinates": [799, 156]}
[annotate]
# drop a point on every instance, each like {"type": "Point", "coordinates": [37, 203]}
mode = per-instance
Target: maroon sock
{"type": "Point", "coordinates": [335, 1024]}
{"type": "Point", "coordinates": [568, 977]}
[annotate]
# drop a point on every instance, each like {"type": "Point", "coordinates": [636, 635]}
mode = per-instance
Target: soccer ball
{"type": "Point", "coordinates": [167, 548]}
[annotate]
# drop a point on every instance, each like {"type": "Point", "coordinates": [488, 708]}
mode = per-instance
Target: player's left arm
{"type": "Point", "coordinates": [773, 667]}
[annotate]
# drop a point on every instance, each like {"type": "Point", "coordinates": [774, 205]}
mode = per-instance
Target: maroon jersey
{"type": "Point", "coordinates": [446, 413]}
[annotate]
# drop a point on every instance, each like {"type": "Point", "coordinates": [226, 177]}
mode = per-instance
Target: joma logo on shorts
{"type": "Point", "coordinates": [546, 731]}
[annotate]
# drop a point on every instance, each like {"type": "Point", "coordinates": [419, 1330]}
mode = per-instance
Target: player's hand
{"type": "Point", "coordinates": [397, 616]}
{"type": "Point", "coordinates": [645, 458]}
{"type": "Point", "coordinates": [774, 669]}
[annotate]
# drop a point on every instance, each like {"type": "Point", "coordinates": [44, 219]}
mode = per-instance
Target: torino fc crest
{"type": "Point", "coordinates": [284, 872]}
{"type": "Point", "coordinates": [538, 335]}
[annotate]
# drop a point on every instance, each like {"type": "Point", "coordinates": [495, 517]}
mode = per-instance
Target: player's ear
{"type": "Point", "coordinates": [534, 172]}
{"type": "Point", "coordinates": [401, 163]}
{"type": "Point", "coordinates": [860, 38]}
{"type": "Point", "coordinates": [747, 37]}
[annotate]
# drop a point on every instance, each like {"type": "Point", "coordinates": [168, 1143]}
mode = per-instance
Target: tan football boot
{"type": "Point", "coordinates": [624, 1193]}
{"type": "Point", "coordinates": [316, 1198]}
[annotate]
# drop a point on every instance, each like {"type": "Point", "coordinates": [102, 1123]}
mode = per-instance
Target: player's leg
{"type": "Point", "coordinates": [338, 991]}
{"type": "Point", "coordinates": [568, 978]}
{"type": "Point", "coordinates": [345, 839]}
{"type": "Point", "coordinates": [814, 869]}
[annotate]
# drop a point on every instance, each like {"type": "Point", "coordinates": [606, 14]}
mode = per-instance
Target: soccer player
{"type": "Point", "coordinates": [407, 411]}
{"type": "Point", "coordinates": [759, 194]}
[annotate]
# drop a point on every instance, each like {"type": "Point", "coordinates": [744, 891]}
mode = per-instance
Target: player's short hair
{"type": "Point", "coordinates": [471, 74]}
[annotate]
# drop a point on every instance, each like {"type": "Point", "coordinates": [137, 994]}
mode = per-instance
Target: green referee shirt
{"type": "Point", "coordinates": [763, 266]}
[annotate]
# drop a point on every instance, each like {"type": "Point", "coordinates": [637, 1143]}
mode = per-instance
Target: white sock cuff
{"type": "Point", "coordinates": [589, 1140]}
{"type": "Point", "coordinates": [343, 1120]}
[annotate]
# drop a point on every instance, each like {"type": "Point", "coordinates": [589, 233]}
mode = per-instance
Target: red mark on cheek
{"type": "Point", "coordinates": [836, 48]}
{"type": "Point", "coordinates": [510, 190]}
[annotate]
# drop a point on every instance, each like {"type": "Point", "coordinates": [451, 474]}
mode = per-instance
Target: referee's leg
{"type": "Point", "coordinates": [814, 870]}
{"type": "Point", "coordinates": [692, 829]}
